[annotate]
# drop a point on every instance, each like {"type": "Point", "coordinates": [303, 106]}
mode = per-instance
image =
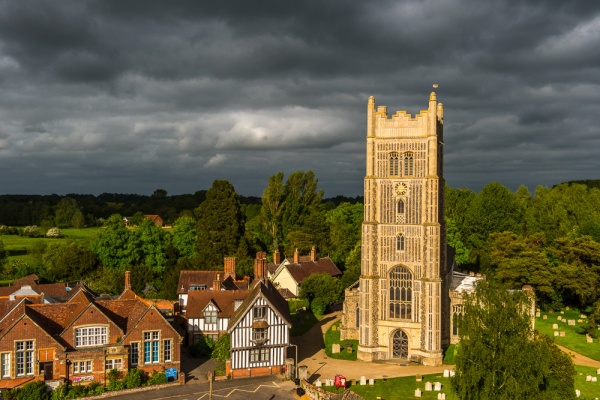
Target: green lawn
{"type": "Point", "coordinates": [573, 339]}
{"type": "Point", "coordinates": [589, 390]}
{"type": "Point", "coordinates": [17, 246]}
{"type": "Point", "coordinates": [449, 354]}
{"type": "Point", "coordinates": [332, 336]}
{"type": "Point", "coordinates": [401, 388]}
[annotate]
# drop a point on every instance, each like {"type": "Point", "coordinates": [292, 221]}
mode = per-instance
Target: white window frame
{"type": "Point", "coordinates": [210, 316]}
{"type": "Point", "coordinates": [168, 350]}
{"type": "Point", "coordinates": [24, 350]}
{"type": "Point", "coordinates": [90, 336]}
{"type": "Point", "coordinates": [5, 369]}
{"type": "Point", "coordinates": [259, 354]}
{"type": "Point", "coordinates": [259, 312]}
{"type": "Point", "coordinates": [114, 363]}
{"type": "Point", "coordinates": [82, 367]}
{"type": "Point", "coordinates": [153, 339]}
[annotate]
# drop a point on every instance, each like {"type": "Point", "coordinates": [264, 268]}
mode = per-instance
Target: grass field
{"type": "Point", "coordinates": [332, 336]}
{"type": "Point", "coordinates": [573, 339]}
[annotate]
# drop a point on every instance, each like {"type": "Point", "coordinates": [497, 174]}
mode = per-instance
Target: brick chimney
{"type": "Point", "coordinates": [260, 266]}
{"type": "Point", "coordinates": [277, 257]}
{"type": "Point", "coordinates": [313, 254]}
{"type": "Point", "coordinates": [229, 267]}
{"type": "Point", "coordinates": [217, 283]}
{"type": "Point", "coordinates": [127, 280]}
{"type": "Point", "coordinates": [296, 257]}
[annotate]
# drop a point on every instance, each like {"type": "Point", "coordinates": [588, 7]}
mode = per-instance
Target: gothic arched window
{"type": "Point", "coordinates": [401, 286]}
{"type": "Point", "coordinates": [409, 167]}
{"type": "Point", "coordinates": [394, 164]}
{"type": "Point", "coordinates": [400, 206]}
{"type": "Point", "coordinates": [400, 242]}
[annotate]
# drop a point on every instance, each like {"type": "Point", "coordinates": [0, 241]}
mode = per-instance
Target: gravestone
{"type": "Point", "coordinates": [537, 314]}
{"type": "Point", "coordinates": [420, 377]}
{"type": "Point", "coordinates": [349, 349]}
{"type": "Point", "coordinates": [418, 393]}
{"type": "Point", "coordinates": [554, 326]}
{"type": "Point", "coordinates": [446, 373]}
{"type": "Point", "coordinates": [545, 317]}
{"type": "Point", "coordinates": [441, 396]}
{"type": "Point", "coordinates": [579, 321]}
{"type": "Point", "coordinates": [559, 318]}
{"type": "Point", "coordinates": [571, 322]}
{"type": "Point", "coordinates": [318, 383]}
{"type": "Point", "coordinates": [335, 348]}
{"type": "Point", "coordinates": [577, 392]}
{"type": "Point", "coordinates": [563, 333]}
{"type": "Point", "coordinates": [589, 339]}
{"type": "Point", "coordinates": [583, 316]}
{"type": "Point", "coordinates": [594, 379]}
{"type": "Point", "coordinates": [428, 387]}
{"type": "Point", "coordinates": [588, 378]}
{"type": "Point", "coordinates": [363, 380]}
{"type": "Point", "coordinates": [598, 371]}
{"type": "Point", "coordinates": [303, 372]}
{"type": "Point", "coordinates": [328, 382]}
{"type": "Point", "coordinates": [452, 373]}
{"type": "Point", "coordinates": [438, 386]}
{"type": "Point", "coordinates": [371, 382]}
{"type": "Point", "coordinates": [333, 327]}
{"type": "Point", "coordinates": [556, 333]}
{"type": "Point", "coordinates": [562, 312]}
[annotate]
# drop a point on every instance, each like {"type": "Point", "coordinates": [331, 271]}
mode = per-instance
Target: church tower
{"type": "Point", "coordinates": [403, 237]}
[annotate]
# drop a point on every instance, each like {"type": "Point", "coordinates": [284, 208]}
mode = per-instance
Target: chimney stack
{"type": "Point", "coordinates": [229, 267]}
{"type": "Point", "coordinates": [313, 254]}
{"type": "Point", "coordinates": [217, 283]}
{"type": "Point", "coordinates": [277, 257]}
{"type": "Point", "coordinates": [127, 280]}
{"type": "Point", "coordinates": [260, 266]}
{"type": "Point", "coordinates": [296, 257]}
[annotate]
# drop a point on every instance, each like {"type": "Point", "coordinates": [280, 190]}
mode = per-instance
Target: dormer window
{"type": "Point", "coordinates": [198, 287]}
{"type": "Point", "coordinates": [259, 312]}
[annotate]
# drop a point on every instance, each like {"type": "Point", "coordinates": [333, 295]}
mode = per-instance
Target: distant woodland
{"type": "Point", "coordinates": [549, 239]}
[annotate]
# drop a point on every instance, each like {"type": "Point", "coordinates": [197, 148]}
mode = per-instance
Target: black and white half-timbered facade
{"type": "Point", "coordinates": [260, 333]}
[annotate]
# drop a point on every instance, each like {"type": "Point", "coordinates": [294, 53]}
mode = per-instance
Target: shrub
{"type": "Point", "coordinates": [221, 350]}
{"type": "Point", "coordinates": [157, 378]}
{"type": "Point", "coordinates": [53, 232]}
{"type": "Point", "coordinates": [35, 390]}
{"type": "Point", "coordinates": [31, 231]}
{"type": "Point", "coordinates": [134, 378]}
{"type": "Point", "coordinates": [318, 306]}
{"type": "Point", "coordinates": [203, 348]}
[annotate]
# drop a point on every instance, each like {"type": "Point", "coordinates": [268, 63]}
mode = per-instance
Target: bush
{"type": "Point", "coordinates": [31, 231]}
{"type": "Point", "coordinates": [134, 378]}
{"type": "Point", "coordinates": [203, 348]}
{"type": "Point", "coordinates": [53, 232]}
{"type": "Point", "coordinates": [221, 351]}
{"type": "Point", "coordinates": [318, 306]}
{"type": "Point", "coordinates": [35, 390]}
{"type": "Point", "coordinates": [157, 378]}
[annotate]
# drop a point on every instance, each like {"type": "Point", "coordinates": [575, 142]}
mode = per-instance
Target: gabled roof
{"type": "Point", "coordinates": [57, 291]}
{"type": "Point", "coordinates": [124, 313]}
{"type": "Point", "coordinates": [273, 298]}
{"type": "Point", "coordinates": [304, 269]}
{"type": "Point", "coordinates": [188, 278]}
{"type": "Point", "coordinates": [54, 318]}
{"type": "Point", "coordinates": [224, 300]}
{"type": "Point", "coordinates": [31, 279]}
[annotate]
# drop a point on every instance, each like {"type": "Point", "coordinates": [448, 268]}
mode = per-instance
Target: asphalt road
{"type": "Point", "coordinates": [266, 387]}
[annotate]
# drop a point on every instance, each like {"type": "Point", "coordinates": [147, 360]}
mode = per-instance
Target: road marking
{"type": "Point", "coordinates": [231, 391]}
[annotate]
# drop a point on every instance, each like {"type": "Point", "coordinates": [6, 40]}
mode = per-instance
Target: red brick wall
{"type": "Point", "coordinates": [258, 371]}
{"type": "Point", "coordinates": [92, 316]}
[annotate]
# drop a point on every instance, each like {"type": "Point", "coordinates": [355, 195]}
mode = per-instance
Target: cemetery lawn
{"type": "Point", "coordinates": [401, 388]}
{"type": "Point", "coordinates": [332, 336]}
{"type": "Point", "coordinates": [573, 340]}
{"type": "Point", "coordinates": [589, 390]}
{"type": "Point", "coordinates": [302, 317]}
{"type": "Point", "coordinates": [449, 354]}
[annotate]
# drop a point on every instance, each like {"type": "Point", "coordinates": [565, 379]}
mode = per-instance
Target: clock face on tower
{"type": "Point", "coordinates": [401, 188]}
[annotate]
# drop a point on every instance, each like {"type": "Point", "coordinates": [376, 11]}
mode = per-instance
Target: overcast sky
{"type": "Point", "coordinates": [131, 96]}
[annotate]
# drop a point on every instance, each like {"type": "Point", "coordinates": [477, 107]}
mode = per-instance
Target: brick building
{"type": "Point", "coordinates": [83, 338]}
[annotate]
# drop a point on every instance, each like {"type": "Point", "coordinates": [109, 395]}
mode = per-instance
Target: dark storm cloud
{"type": "Point", "coordinates": [129, 96]}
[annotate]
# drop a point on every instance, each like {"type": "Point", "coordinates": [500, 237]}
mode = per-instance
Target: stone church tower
{"type": "Point", "coordinates": [401, 288]}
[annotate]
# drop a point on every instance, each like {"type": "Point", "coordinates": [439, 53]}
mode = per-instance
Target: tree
{"type": "Point", "coordinates": [3, 254]}
{"type": "Point", "coordinates": [68, 262]}
{"type": "Point", "coordinates": [345, 223]}
{"type": "Point", "coordinates": [500, 357]}
{"type": "Point", "coordinates": [66, 211]}
{"type": "Point", "coordinates": [272, 208]}
{"type": "Point", "coordinates": [185, 237]}
{"type": "Point", "coordinates": [153, 242]}
{"type": "Point", "coordinates": [115, 246]}
{"type": "Point", "coordinates": [220, 225]}
{"type": "Point", "coordinates": [321, 286]}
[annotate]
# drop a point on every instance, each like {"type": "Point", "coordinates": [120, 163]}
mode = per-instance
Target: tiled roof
{"type": "Point", "coordinates": [31, 279]}
{"type": "Point", "coordinates": [286, 293]}
{"type": "Point", "coordinates": [305, 269]}
{"type": "Point", "coordinates": [271, 295]}
{"type": "Point", "coordinates": [224, 300]}
{"type": "Point", "coordinates": [124, 313]}
{"type": "Point", "coordinates": [188, 278]}
{"type": "Point", "coordinates": [57, 291]}
{"type": "Point", "coordinates": [54, 318]}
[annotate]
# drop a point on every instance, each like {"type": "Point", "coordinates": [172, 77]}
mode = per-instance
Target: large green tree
{"type": "Point", "coordinates": [115, 246]}
{"type": "Point", "coordinates": [185, 237]}
{"type": "Point", "coordinates": [271, 211]}
{"type": "Point", "coordinates": [71, 261]}
{"type": "Point", "coordinates": [220, 225]}
{"type": "Point", "coordinates": [500, 357]}
{"type": "Point", "coordinates": [345, 223]}
{"type": "Point", "coordinates": [152, 243]}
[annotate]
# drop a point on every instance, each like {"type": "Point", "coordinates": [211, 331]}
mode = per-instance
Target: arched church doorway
{"type": "Point", "coordinates": [400, 345]}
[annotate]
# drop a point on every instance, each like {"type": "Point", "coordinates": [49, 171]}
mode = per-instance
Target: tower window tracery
{"type": "Point", "coordinates": [400, 242]}
{"type": "Point", "coordinates": [394, 164]}
{"type": "Point", "coordinates": [401, 289]}
{"type": "Point", "coordinates": [409, 167]}
{"type": "Point", "coordinates": [400, 208]}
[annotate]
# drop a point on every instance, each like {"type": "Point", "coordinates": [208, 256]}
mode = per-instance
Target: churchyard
{"type": "Point", "coordinates": [565, 327]}
{"type": "Point", "coordinates": [336, 348]}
